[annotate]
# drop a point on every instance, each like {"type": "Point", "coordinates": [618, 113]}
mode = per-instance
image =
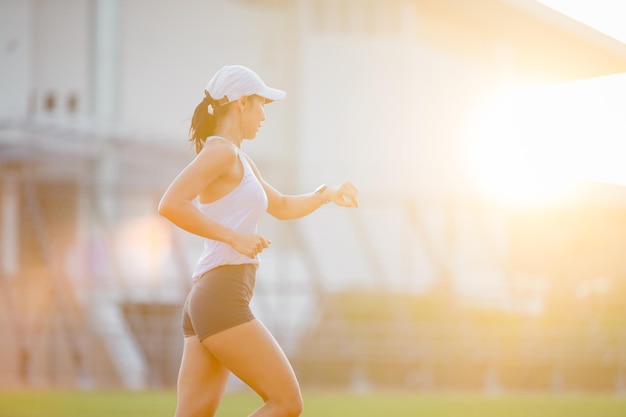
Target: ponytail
{"type": "Point", "coordinates": [202, 122]}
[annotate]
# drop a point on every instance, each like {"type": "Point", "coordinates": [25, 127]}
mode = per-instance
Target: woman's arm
{"type": "Point", "coordinates": [287, 207]}
{"type": "Point", "coordinates": [216, 159]}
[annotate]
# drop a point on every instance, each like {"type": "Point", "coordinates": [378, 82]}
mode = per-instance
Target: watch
{"type": "Point", "coordinates": [319, 190]}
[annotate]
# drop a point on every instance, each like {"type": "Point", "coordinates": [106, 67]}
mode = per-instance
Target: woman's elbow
{"type": "Point", "coordinates": [278, 213]}
{"type": "Point", "coordinates": [279, 209]}
{"type": "Point", "coordinates": [280, 216]}
{"type": "Point", "coordinates": [165, 208]}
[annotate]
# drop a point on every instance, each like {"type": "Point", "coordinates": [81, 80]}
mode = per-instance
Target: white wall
{"type": "Point", "coordinates": [61, 51]}
{"type": "Point", "coordinates": [169, 51]}
{"type": "Point", "coordinates": [383, 108]}
{"type": "Point", "coordinates": [15, 56]}
{"type": "Point", "coordinates": [368, 100]}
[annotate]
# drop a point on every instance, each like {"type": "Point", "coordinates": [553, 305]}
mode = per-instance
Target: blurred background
{"type": "Point", "coordinates": [486, 138]}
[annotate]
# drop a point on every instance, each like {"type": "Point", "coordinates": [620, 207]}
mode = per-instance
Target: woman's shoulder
{"type": "Point", "coordinates": [218, 149]}
{"type": "Point", "coordinates": [217, 143]}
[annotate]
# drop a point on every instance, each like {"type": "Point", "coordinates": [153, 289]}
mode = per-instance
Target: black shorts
{"type": "Point", "coordinates": [219, 300]}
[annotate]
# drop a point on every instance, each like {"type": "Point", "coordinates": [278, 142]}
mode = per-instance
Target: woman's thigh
{"type": "Point", "coordinates": [251, 353]}
{"type": "Point", "coordinates": [201, 380]}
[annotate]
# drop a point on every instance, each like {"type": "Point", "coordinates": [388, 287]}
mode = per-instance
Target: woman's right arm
{"type": "Point", "coordinates": [176, 205]}
{"type": "Point", "coordinates": [216, 159]}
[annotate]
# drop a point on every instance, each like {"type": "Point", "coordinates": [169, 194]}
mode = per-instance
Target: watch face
{"type": "Point", "coordinates": [319, 192]}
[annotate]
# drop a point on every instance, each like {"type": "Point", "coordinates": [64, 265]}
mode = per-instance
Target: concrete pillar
{"type": "Point", "coordinates": [16, 57]}
{"type": "Point", "coordinates": [106, 314]}
{"type": "Point", "coordinates": [106, 59]}
{"type": "Point", "coordinates": [105, 102]}
{"type": "Point", "coordinates": [9, 224]}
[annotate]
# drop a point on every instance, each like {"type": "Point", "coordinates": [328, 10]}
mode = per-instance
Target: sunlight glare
{"type": "Point", "coordinates": [511, 166]}
{"type": "Point", "coordinates": [143, 245]}
{"type": "Point", "coordinates": [532, 145]}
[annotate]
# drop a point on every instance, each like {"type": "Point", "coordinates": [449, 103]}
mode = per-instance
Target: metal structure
{"type": "Point", "coordinates": [389, 309]}
{"type": "Point", "coordinates": [61, 190]}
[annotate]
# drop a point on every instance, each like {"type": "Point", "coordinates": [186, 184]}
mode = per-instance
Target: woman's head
{"type": "Point", "coordinates": [234, 81]}
{"type": "Point", "coordinates": [233, 86]}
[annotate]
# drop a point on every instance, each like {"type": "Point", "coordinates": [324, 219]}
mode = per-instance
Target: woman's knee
{"type": "Point", "coordinates": [289, 407]}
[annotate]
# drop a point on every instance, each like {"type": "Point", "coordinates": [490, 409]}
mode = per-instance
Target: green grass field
{"type": "Point", "coordinates": [317, 404]}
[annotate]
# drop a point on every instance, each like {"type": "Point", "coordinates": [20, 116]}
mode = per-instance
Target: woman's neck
{"type": "Point", "coordinates": [229, 129]}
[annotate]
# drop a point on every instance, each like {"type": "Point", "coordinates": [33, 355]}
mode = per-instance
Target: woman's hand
{"type": "Point", "coordinates": [249, 244]}
{"type": "Point", "coordinates": [343, 195]}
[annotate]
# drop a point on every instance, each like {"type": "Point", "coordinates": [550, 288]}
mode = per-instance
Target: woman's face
{"type": "Point", "coordinates": [252, 115]}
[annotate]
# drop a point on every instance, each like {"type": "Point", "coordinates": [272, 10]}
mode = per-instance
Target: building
{"type": "Point", "coordinates": [94, 115]}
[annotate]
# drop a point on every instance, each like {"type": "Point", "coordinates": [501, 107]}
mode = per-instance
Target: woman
{"type": "Point", "coordinates": [221, 333]}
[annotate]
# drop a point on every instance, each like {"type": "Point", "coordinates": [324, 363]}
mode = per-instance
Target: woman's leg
{"type": "Point", "coordinates": [201, 381]}
{"type": "Point", "coordinates": [250, 352]}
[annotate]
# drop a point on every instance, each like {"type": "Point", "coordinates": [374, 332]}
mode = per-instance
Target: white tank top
{"type": "Point", "coordinates": [240, 210]}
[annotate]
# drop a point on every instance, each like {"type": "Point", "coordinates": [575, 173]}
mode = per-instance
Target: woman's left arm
{"type": "Point", "coordinates": [287, 207]}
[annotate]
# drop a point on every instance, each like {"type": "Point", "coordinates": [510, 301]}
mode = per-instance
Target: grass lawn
{"type": "Point", "coordinates": [317, 404]}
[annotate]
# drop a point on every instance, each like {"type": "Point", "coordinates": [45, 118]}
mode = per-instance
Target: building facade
{"type": "Point", "coordinates": [94, 111]}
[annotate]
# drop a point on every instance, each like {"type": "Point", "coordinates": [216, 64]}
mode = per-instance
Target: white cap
{"type": "Point", "coordinates": [234, 81]}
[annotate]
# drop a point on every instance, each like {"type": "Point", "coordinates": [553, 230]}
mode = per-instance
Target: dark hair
{"type": "Point", "coordinates": [203, 121]}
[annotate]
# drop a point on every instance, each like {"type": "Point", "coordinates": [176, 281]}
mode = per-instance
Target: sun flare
{"type": "Point", "coordinates": [533, 145]}
{"type": "Point", "coordinates": [143, 244]}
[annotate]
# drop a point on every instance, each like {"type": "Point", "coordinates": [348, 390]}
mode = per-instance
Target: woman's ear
{"type": "Point", "coordinates": [242, 102]}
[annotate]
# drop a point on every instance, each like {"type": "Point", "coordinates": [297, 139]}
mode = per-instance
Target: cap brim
{"type": "Point", "coordinates": [272, 94]}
